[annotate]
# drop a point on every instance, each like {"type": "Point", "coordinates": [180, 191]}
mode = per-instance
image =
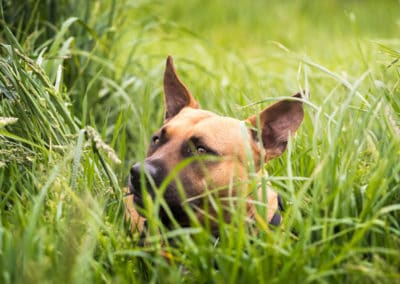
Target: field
{"type": "Point", "coordinates": [81, 95]}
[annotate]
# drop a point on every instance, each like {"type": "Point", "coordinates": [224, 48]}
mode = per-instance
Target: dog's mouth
{"type": "Point", "coordinates": [137, 195]}
{"type": "Point", "coordinates": [138, 201]}
{"type": "Point", "coordinates": [174, 205]}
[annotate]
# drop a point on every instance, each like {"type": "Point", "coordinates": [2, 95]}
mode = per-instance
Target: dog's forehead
{"type": "Point", "coordinates": [197, 119]}
{"type": "Point", "coordinates": [220, 131]}
{"type": "Point", "coordinates": [191, 116]}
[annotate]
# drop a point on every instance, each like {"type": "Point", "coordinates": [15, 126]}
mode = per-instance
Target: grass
{"type": "Point", "coordinates": [81, 93]}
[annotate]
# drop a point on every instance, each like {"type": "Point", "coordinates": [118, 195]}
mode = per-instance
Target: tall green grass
{"type": "Point", "coordinates": [79, 79]}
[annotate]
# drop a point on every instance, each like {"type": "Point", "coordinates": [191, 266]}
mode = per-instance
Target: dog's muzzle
{"type": "Point", "coordinates": [147, 175]}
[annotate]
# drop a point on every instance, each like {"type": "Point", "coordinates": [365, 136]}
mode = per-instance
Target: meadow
{"type": "Point", "coordinates": [81, 95]}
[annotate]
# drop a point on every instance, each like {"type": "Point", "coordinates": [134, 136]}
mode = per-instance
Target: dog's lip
{"type": "Point", "coordinates": [132, 190]}
{"type": "Point", "coordinates": [137, 197]}
{"type": "Point", "coordinates": [138, 200]}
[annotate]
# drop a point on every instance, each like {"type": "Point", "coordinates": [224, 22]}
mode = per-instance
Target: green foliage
{"type": "Point", "coordinates": [81, 78]}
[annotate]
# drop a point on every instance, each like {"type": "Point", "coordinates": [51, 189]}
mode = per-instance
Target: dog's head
{"type": "Point", "coordinates": [198, 151]}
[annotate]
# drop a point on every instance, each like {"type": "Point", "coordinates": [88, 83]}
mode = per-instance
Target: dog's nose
{"type": "Point", "coordinates": [148, 168]}
{"type": "Point", "coordinates": [134, 178]}
{"type": "Point", "coordinates": [135, 171]}
{"type": "Point", "coordinates": [136, 175]}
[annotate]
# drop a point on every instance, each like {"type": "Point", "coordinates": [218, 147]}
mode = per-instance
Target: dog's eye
{"type": "Point", "coordinates": [156, 140]}
{"type": "Point", "coordinates": [201, 150]}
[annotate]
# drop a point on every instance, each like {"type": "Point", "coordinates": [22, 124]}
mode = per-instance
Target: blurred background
{"type": "Point", "coordinates": [81, 95]}
{"type": "Point", "coordinates": [113, 52]}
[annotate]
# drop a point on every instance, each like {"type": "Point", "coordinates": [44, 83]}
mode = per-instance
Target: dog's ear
{"type": "Point", "coordinates": [177, 96]}
{"type": "Point", "coordinates": [277, 122]}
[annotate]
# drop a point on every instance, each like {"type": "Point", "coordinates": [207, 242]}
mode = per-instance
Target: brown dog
{"type": "Point", "coordinates": [220, 150]}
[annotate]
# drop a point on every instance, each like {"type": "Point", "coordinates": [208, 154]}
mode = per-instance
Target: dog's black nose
{"type": "Point", "coordinates": [134, 178]}
{"type": "Point", "coordinates": [136, 174]}
{"type": "Point", "coordinates": [135, 171]}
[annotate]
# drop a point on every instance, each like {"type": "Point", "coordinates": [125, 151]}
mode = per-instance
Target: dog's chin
{"type": "Point", "coordinates": [178, 212]}
{"type": "Point", "coordinates": [173, 202]}
{"type": "Point", "coordinates": [138, 201]}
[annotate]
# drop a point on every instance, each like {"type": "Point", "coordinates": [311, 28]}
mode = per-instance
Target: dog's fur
{"type": "Point", "coordinates": [190, 132]}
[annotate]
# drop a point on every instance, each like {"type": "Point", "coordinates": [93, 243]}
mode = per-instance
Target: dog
{"type": "Point", "coordinates": [220, 150]}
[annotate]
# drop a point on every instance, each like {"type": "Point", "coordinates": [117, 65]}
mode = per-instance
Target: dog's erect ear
{"type": "Point", "coordinates": [277, 122]}
{"type": "Point", "coordinates": [177, 96]}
